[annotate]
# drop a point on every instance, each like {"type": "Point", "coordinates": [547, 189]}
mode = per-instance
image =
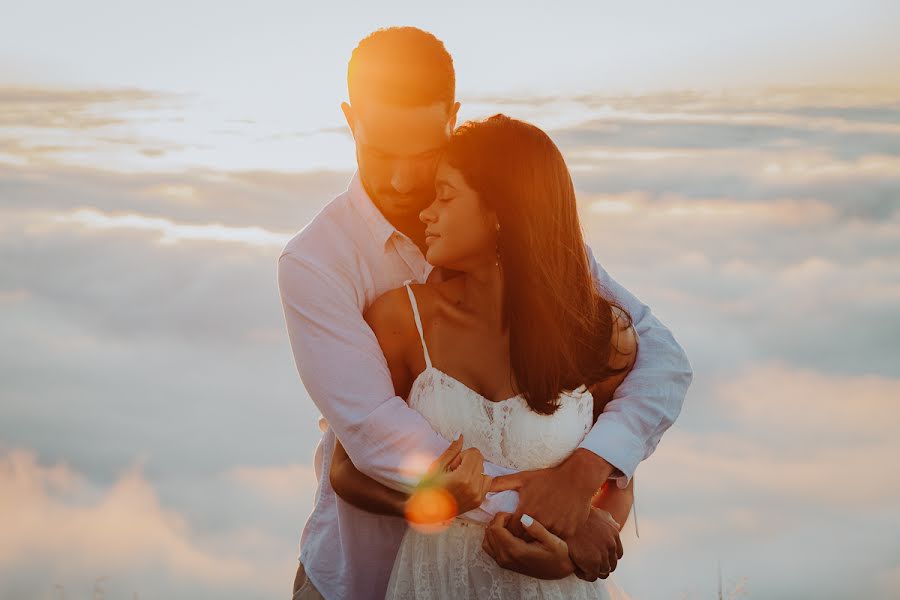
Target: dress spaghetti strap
{"type": "Point", "coordinates": [415, 308]}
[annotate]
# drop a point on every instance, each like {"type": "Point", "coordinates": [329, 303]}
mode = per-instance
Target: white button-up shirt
{"type": "Point", "coordinates": [328, 275]}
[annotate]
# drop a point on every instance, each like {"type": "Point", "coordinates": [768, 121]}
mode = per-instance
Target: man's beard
{"type": "Point", "coordinates": [411, 204]}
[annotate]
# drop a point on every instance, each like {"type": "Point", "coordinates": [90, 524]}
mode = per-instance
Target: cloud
{"type": "Point", "coordinates": [851, 105]}
{"type": "Point", "coordinates": [817, 143]}
{"type": "Point", "coordinates": [785, 413]}
{"type": "Point", "coordinates": [133, 130]}
{"type": "Point", "coordinates": [789, 470]}
{"type": "Point", "coordinates": [79, 109]}
{"type": "Point", "coordinates": [54, 518]}
{"type": "Point", "coordinates": [714, 133]}
{"type": "Point", "coordinates": [173, 233]}
{"type": "Point", "coordinates": [137, 332]}
{"type": "Point", "coordinates": [277, 484]}
{"type": "Point", "coordinates": [277, 201]}
{"type": "Point", "coordinates": [890, 582]}
{"type": "Point", "coordinates": [140, 312]}
{"type": "Point", "coordinates": [105, 286]}
{"type": "Point", "coordinates": [767, 279]}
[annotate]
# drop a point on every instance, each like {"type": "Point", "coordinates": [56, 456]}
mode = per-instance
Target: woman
{"type": "Point", "coordinates": [517, 354]}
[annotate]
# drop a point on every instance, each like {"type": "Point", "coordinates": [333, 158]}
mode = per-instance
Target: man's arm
{"type": "Point", "coordinates": [362, 491]}
{"type": "Point", "coordinates": [342, 367]}
{"type": "Point", "coordinates": [646, 404]}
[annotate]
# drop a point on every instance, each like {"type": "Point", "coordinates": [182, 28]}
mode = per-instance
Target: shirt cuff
{"type": "Point", "coordinates": [496, 470]}
{"type": "Point", "coordinates": [612, 442]}
{"type": "Point", "coordinates": [494, 502]}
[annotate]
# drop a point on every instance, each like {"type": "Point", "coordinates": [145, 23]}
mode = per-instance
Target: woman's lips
{"type": "Point", "coordinates": [430, 237]}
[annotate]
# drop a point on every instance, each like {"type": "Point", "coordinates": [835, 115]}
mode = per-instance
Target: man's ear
{"type": "Point", "coordinates": [454, 111]}
{"type": "Point", "coordinates": [348, 114]}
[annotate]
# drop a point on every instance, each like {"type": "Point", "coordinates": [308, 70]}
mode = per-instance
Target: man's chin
{"type": "Point", "coordinates": [405, 208]}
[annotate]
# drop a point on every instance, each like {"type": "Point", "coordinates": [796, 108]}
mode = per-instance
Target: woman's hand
{"type": "Point", "coordinates": [461, 473]}
{"type": "Point", "coordinates": [547, 557]}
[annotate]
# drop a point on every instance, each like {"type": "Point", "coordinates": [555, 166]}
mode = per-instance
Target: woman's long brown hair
{"type": "Point", "coordinates": [559, 324]}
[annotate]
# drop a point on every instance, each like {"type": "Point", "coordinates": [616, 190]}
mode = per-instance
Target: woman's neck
{"type": "Point", "coordinates": [483, 292]}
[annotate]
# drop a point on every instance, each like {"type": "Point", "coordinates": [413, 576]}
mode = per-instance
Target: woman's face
{"type": "Point", "coordinates": [460, 232]}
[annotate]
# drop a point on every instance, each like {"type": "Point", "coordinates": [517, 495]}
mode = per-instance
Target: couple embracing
{"type": "Point", "coordinates": [445, 308]}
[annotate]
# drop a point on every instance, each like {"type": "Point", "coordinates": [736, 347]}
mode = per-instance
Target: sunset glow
{"type": "Point", "coordinates": [737, 167]}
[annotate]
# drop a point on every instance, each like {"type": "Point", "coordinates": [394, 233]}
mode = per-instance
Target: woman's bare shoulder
{"type": "Point", "coordinates": [390, 313]}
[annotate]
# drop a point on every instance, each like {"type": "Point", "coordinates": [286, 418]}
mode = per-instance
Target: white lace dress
{"type": "Point", "coordinates": [452, 563]}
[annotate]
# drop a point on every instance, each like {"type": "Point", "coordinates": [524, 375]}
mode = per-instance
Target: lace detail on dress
{"type": "Point", "coordinates": [507, 432]}
{"type": "Point", "coordinates": [452, 563]}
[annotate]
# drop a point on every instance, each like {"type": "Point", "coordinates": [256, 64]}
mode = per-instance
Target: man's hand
{"type": "Point", "coordinates": [547, 557]}
{"type": "Point", "coordinates": [596, 548]}
{"type": "Point", "coordinates": [559, 497]}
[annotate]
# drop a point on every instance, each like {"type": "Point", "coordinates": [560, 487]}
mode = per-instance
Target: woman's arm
{"type": "Point", "coordinates": [615, 500]}
{"type": "Point", "coordinates": [362, 491]}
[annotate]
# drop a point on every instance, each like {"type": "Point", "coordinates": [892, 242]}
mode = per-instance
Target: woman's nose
{"type": "Point", "coordinates": [426, 216]}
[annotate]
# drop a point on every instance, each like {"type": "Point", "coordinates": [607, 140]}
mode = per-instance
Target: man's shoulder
{"type": "Point", "coordinates": [325, 232]}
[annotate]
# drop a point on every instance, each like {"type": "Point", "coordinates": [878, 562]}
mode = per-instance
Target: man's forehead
{"type": "Point", "coordinates": [404, 129]}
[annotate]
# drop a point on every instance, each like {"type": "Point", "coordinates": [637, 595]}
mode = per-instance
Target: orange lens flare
{"type": "Point", "coordinates": [430, 509]}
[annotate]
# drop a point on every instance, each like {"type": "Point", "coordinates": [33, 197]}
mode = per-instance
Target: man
{"type": "Point", "coordinates": [369, 240]}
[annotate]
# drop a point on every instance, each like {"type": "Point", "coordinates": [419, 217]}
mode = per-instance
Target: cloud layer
{"type": "Point", "coordinates": [153, 429]}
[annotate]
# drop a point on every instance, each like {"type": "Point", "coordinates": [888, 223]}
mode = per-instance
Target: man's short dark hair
{"type": "Point", "coordinates": [401, 65]}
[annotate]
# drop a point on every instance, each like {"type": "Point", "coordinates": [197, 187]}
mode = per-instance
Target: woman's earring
{"type": "Point", "coordinates": [497, 262]}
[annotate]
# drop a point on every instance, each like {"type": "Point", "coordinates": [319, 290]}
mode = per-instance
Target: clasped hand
{"type": "Point", "coordinates": [579, 538]}
{"type": "Point", "coordinates": [461, 473]}
{"type": "Point", "coordinates": [592, 552]}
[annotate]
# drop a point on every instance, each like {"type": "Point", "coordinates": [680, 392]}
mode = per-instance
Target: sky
{"type": "Point", "coordinates": [737, 168]}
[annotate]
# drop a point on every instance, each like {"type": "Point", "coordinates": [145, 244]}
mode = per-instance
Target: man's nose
{"type": "Point", "coordinates": [403, 178]}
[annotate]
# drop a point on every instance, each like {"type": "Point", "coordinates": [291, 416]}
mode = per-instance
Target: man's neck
{"type": "Point", "coordinates": [412, 228]}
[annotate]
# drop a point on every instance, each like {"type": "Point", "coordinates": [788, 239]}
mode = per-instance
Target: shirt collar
{"type": "Point", "coordinates": [380, 227]}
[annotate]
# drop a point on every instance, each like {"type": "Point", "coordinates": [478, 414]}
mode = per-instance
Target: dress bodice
{"type": "Point", "coordinates": [507, 432]}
